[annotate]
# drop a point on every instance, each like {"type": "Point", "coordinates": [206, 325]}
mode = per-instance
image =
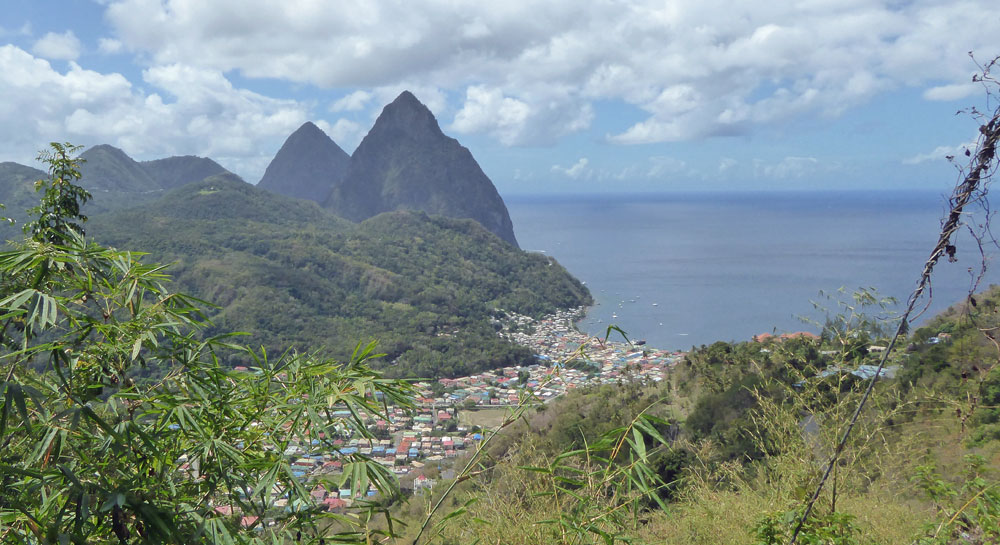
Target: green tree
{"type": "Point", "coordinates": [91, 453]}
{"type": "Point", "coordinates": [59, 210]}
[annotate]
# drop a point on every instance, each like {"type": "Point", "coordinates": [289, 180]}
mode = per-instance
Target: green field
{"type": "Point", "coordinates": [486, 418]}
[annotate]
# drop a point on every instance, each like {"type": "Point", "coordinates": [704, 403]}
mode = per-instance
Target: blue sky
{"type": "Point", "coordinates": [551, 97]}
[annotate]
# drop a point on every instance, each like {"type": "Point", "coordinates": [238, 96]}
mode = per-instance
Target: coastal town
{"type": "Point", "coordinates": [415, 443]}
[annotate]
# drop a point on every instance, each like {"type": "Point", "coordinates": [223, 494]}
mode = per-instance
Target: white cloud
{"type": "Point", "coordinates": [355, 101]}
{"type": "Point", "coordinates": [187, 111]}
{"type": "Point", "coordinates": [941, 153]}
{"type": "Point", "coordinates": [576, 171]}
{"type": "Point", "coordinates": [23, 30]}
{"type": "Point", "coordinates": [530, 72]}
{"type": "Point", "coordinates": [487, 110]}
{"type": "Point", "coordinates": [346, 133]}
{"type": "Point", "coordinates": [954, 91]}
{"type": "Point", "coordinates": [54, 46]}
{"type": "Point", "coordinates": [519, 120]}
{"type": "Point", "coordinates": [656, 168]}
{"type": "Point", "coordinates": [789, 168]}
{"type": "Point", "coordinates": [664, 166]}
{"type": "Point", "coordinates": [726, 164]}
{"type": "Point", "coordinates": [109, 46]}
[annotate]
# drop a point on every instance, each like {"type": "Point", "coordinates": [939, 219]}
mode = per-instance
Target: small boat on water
{"type": "Point", "coordinates": [656, 304]}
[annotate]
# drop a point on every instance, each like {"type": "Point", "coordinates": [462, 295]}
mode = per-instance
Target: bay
{"type": "Point", "coordinates": [682, 270]}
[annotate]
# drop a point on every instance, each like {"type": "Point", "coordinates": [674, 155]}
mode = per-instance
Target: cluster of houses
{"type": "Point", "coordinates": [404, 443]}
{"type": "Point", "coordinates": [408, 441]}
{"type": "Point", "coordinates": [580, 359]}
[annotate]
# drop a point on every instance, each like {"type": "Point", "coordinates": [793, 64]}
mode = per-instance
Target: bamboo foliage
{"type": "Point", "coordinates": [92, 452]}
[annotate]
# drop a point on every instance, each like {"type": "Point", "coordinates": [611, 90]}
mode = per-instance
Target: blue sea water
{"type": "Point", "coordinates": [682, 270]}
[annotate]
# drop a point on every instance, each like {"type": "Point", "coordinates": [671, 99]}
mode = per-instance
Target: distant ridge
{"type": "Point", "coordinates": [107, 168]}
{"type": "Point", "coordinates": [174, 172]}
{"type": "Point", "coordinates": [307, 166]}
{"type": "Point", "coordinates": [406, 163]}
{"type": "Point", "coordinates": [114, 179]}
{"type": "Point", "coordinates": [17, 194]}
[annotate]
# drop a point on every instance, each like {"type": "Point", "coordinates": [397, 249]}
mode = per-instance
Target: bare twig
{"type": "Point", "coordinates": [979, 173]}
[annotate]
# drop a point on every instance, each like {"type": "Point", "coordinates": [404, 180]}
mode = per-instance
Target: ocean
{"type": "Point", "coordinates": [683, 270]}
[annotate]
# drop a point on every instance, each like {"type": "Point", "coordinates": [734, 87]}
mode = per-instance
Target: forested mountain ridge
{"type": "Point", "coordinates": [17, 193]}
{"type": "Point", "coordinates": [404, 163]}
{"type": "Point", "coordinates": [293, 275]}
{"type": "Point", "coordinates": [173, 172]}
{"type": "Point", "coordinates": [114, 179]}
{"type": "Point", "coordinates": [117, 181]}
{"type": "Point", "coordinates": [107, 169]}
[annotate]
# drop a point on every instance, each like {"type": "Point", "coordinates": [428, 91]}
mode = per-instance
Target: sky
{"type": "Point", "coordinates": [550, 96]}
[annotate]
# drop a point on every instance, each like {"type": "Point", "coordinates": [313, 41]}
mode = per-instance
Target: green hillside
{"type": "Point", "coordinates": [173, 172]}
{"type": "Point", "coordinates": [295, 276]}
{"type": "Point", "coordinates": [17, 193]}
{"type": "Point", "coordinates": [731, 444]}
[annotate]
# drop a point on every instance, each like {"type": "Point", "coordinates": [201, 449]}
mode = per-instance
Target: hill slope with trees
{"type": "Point", "coordinates": [294, 275]}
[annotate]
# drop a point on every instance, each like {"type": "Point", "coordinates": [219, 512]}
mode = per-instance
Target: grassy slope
{"type": "Point", "coordinates": [911, 429]}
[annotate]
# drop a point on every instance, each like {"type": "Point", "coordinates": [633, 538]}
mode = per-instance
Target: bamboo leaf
{"type": "Point", "coordinates": [16, 394]}
{"type": "Point", "coordinates": [136, 347]}
{"type": "Point", "coordinates": [639, 444]}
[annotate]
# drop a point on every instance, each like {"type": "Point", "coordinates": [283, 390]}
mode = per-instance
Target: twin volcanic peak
{"type": "Point", "coordinates": [306, 166]}
{"type": "Point", "coordinates": [404, 163]}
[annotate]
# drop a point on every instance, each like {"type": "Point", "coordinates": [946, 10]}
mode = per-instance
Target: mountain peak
{"type": "Point", "coordinates": [309, 129]}
{"type": "Point", "coordinates": [406, 163]}
{"type": "Point", "coordinates": [107, 168]}
{"type": "Point", "coordinates": [105, 149]}
{"type": "Point", "coordinates": [407, 115]}
{"type": "Point", "coordinates": [176, 171]}
{"type": "Point", "coordinates": [307, 166]}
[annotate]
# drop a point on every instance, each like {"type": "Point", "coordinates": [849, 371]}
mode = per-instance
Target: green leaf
{"type": "Point", "coordinates": [649, 430]}
{"type": "Point", "coordinates": [15, 394]}
{"type": "Point", "coordinates": [136, 347]}
{"type": "Point", "coordinates": [5, 409]}
{"type": "Point", "coordinates": [639, 444]}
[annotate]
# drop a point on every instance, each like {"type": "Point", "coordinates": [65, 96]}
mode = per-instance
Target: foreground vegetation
{"type": "Point", "coordinates": [728, 449]}
{"type": "Point", "coordinates": [90, 453]}
{"type": "Point", "coordinates": [734, 446]}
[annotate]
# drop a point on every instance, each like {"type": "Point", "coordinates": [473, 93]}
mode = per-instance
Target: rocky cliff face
{"type": "Point", "coordinates": [406, 163]}
{"type": "Point", "coordinates": [307, 166]}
